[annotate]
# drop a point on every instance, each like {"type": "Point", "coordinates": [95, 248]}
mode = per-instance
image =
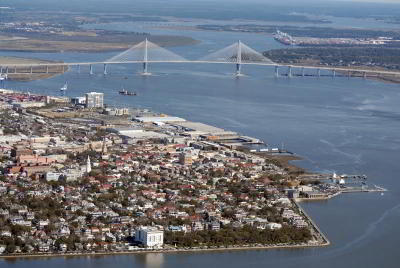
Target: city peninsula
{"type": "Point", "coordinates": [78, 177]}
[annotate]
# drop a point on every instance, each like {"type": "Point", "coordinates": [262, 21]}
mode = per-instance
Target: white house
{"type": "Point", "coordinates": [150, 237]}
{"type": "Point", "coordinates": [274, 226]}
{"type": "Point", "coordinates": [53, 176]}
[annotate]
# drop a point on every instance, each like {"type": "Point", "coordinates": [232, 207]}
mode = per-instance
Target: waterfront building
{"type": "Point", "coordinates": [292, 193]}
{"type": "Point", "coordinates": [78, 100]}
{"type": "Point", "coordinates": [150, 237]}
{"type": "Point", "coordinates": [116, 111]}
{"type": "Point", "coordinates": [314, 194]}
{"type": "Point", "coordinates": [94, 100]}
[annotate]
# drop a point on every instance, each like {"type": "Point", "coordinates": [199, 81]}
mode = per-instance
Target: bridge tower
{"type": "Point", "coordinates": [146, 58]}
{"type": "Point", "coordinates": [239, 58]}
{"type": "Point", "coordinates": [91, 69]}
{"type": "Point", "coordinates": [105, 69]}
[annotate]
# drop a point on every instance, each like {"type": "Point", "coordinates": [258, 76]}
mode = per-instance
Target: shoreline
{"type": "Point", "coordinates": [163, 251]}
{"type": "Point", "coordinates": [354, 73]}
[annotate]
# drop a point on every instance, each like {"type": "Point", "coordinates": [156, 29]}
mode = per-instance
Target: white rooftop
{"type": "Point", "coordinates": [145, 135]}
{"type": "Point", "coordinates": [157, 119]}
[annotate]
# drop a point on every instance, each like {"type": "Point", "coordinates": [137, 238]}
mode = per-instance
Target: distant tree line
{"type": "Point", "coordinates": [316, 32]}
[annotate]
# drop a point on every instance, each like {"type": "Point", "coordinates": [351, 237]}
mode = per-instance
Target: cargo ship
{"type": "Point", "coordinates": [126, 92]}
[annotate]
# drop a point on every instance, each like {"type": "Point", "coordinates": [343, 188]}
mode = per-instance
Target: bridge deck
{"type": "Point", "coordinates": [67, 64]}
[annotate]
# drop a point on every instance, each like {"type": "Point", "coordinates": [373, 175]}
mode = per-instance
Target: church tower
{"type": "Point", "coordinates": [88, 165]}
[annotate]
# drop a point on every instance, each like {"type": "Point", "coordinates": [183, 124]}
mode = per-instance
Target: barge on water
{"type": "Point", "coordinates": [127, 93]}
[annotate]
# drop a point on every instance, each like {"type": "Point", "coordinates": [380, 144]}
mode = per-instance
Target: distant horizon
{"type": "Point", "coordinates": [286, 10]}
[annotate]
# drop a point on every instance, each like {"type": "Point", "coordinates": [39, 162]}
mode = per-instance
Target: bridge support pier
{"type": "Point", "coordinates": [333, 73]}
{"type": "Point", "coordinates": [47, 69]}
{"type": "Point", "coordinates": [319, 72]}
{"type": "Point", "coordinates": [289, 74]}
{"type": "Point", "coordinates": [238, 69]}
{"type": "Point", "coordinates": [105, 69]}
{"type": "Point", "coordinates": [63, 69]}
{"type": "Point", "coordinates": [348, 74]}
{"type": "Point", "coordinates": [15, 69]}
{"type": "Point", "coordinates": [1, 69]}
{"type": "Point", "coordinates": [90, 69]}
{"type": "Point", "coordinates": [7, 70]}
{"type": "Point", "coordinates": [79, 68]}
{"type": "Point", "coordinates": [302, 72]}
{"type": "Point", "coordinates": [145, 68]}
{"type": "Point", "coordinates": [276, 71]}
{"type": "Point", "coordinates": [31, 69]}
{"type": "Point", "coordinates": [365, 75]}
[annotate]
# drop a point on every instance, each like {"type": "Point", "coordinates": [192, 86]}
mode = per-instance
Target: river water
{"type": "Point", "coordinates": [344, 125]}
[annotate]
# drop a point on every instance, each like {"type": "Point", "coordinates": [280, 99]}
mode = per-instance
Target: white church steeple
{"type": "Point", "coordinates": [88, 165]}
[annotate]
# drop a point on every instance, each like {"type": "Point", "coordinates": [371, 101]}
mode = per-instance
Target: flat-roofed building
{"type": "Point", "coordinates": [94, 100]}
{"type": "Point", "coordinates": [150, 237]}
{"type": "Point", "coordinates": [158, 119]}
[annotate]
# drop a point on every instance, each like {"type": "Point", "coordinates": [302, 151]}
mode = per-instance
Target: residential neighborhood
{"type": "Point", "coordinates": [113, 183]}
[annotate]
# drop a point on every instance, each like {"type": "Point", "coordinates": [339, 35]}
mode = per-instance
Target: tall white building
{"type": "Point", "coordinates": [88, 165]}
{"type": "Point", "coordinates": [94, 100]}
{"type": "Point", "coordinates": [150, 237]}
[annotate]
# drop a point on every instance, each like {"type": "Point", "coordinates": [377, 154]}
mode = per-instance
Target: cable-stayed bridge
{"type": "Point", "coordinates": [146, 53]}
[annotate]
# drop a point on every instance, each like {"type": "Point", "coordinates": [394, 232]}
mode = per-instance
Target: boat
{"type": "Point", "coordinates": [127, 93]}
{"type": "Point", "coordinates": [64, 88]}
